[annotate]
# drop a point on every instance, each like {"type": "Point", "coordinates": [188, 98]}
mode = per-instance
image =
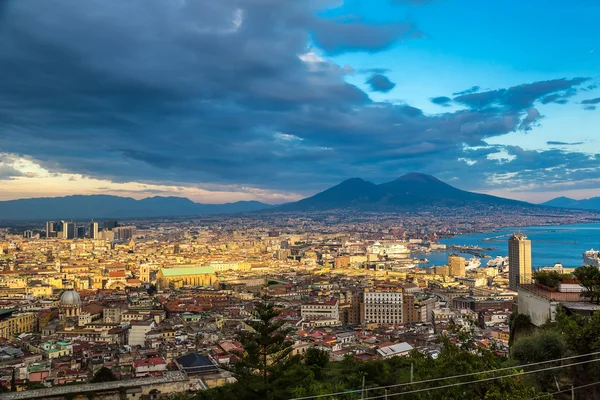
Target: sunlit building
{"type": "Point", "coordinates": [519, 260]}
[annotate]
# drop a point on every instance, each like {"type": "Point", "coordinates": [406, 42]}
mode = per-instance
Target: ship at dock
{"type": "Point", "coordinates": [500, 263]}
{"type": "Point", "coordinates": [472, 264]}
{"type": "Point", "coordinates": [591, 257]}
{"type": "Point", "coordinates": [392, 251]}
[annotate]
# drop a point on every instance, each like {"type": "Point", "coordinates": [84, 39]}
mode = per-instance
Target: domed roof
{"type": "Point", "coordinates": [70, 298]}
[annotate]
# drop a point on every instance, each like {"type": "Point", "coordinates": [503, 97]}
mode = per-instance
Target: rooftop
{"type": "Point", "coordinates": [192, 270]}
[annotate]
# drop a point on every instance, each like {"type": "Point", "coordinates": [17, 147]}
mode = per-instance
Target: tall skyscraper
{"type": "Point", "coordinates": [110, 224]}
{"type": "Point", "coordinates": [457, 265]}
{"type": "Point", "coordinates": [123, 232]}
{"type": "Point", "coordinates": [94, 230]}
{"type": "Point", "coordinates": [50, 229]}
{"type": "Point", "coordinates": [69, 231]}
{"type": "Point", "coordinates": [519, 260]}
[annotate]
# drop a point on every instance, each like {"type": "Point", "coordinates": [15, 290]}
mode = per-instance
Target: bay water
{"type": "Point", "coordinates": [549, 244]}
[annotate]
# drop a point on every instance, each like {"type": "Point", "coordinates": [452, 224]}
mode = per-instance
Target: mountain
{"type": "Point", "coordinates": [566, 202]}
{"type": "Point", "coordinates": [105, 206]}
{"type": "Point", "coordinates": [352, 192]}
{"type": "Point", "coordinates": [411, 191]}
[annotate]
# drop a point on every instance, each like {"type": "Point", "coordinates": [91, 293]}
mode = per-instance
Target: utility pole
{"type": "Point", "coordinates": [572, 392]}
{"type": "Point", "coordinates": [362, 392]}
{"type": "Point", "coordinates": [412, 365]}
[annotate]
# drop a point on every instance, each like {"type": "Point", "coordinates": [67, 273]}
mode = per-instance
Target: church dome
{"type": "Point", "coordinates": [70, 298]}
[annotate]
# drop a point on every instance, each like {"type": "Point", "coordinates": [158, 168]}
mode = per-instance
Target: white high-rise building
{"type": "Point", "coordinates": [68, 231]}
{"type": "Point", "coordinates": [94, 230]}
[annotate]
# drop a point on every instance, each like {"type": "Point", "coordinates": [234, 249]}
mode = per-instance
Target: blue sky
{"type": "Point", "coordinates": [275, 100]}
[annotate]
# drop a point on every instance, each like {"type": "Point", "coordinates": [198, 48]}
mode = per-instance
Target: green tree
{"type": "Point", "coordinates": [589, 277]}
{"type": "Point", "coordinates": [103, 375]}
{"type": "Point", "coordinates": [261, 370]}
{"type": "Point", "coordinates": [316, 360]}
{"type": "Point", "coordinates": [549, 278]}
{"type": "Point", "coordinates": [539, 347]}
{"type": "Point", "coordinates": [314, 356]}
{"type": "Point", "coordinates": [13, 382]}
{"type": "Point", "coordinates": [582, 335]}
{"type": "Point", "coordinates": [519, 325]}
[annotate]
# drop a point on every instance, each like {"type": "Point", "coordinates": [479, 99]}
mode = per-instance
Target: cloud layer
{"type": "Point", "coordinates": [240, 92]}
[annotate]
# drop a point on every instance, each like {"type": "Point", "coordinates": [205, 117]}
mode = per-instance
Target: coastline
{"type": "Point", "coordinates": [551, 243]}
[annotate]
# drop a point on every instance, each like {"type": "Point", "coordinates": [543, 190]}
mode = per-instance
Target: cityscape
{"type": "Point", "coordinates": [160, 304]}
{"type": "Point", "coordinates": [299, 200]}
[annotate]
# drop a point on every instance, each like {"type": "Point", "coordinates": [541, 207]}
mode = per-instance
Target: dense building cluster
{"type": "Point", "coordinates": [167, 299]}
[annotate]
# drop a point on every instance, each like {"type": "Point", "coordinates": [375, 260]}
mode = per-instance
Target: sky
{"type": "Point", "coordinates": [275, 100]}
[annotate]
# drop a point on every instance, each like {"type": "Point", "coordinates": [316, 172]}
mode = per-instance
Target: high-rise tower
{"type": "Point", "coordinates": [457, 265]}
{"type": "Point", "coordinates": [94, 230]}
{"type": "Point", "coordinates": [68, 231]}
{"type": "Point", "coordinates": [519, 260]}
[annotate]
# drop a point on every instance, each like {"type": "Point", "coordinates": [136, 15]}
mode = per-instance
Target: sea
{"type": "Point", "coordinates": [549, 244]}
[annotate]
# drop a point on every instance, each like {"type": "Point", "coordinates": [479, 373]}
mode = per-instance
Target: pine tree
{"type": "Point", "coordinates": [104, 375]}
{"type": "Point", "coordinates": [267, 355]}
{"type": "Point", "coordinates": [13, 382]}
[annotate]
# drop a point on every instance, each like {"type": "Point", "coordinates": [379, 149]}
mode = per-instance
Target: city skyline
{"type": "Point", "coordinates": [275, 101]}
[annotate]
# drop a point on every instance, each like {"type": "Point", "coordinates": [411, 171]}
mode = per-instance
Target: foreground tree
{"type": "Point", "coordinates": [541, 346]}
{"type": "Point", "coordinates": [589, 278]}
{"type": "Point", "coordinates": [103, 375]}
{"type": "Point", "coordinates": [13, 382]}
{"type": "Point", "coordinates": [262, 372]}
{"type": "Point", "coordinates": [519, 325]}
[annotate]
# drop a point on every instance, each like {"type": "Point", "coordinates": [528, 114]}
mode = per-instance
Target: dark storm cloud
{"type": "Point", "coordinates": [521, 96]}
{"type": "Point", "coordinates": [591, 101]}
{"type": "Point", "coordinates": [441, 101]}
{"type": "Point", "coordinates": [559, 98]}
{"type": "Point", "coordinates": [473, 89]}
{"type": "Point", "coordinates": [380, 83]}
{"type": "Point", "coordinates": [558, 143]}
{"type": "Point", "coordinates": [531, 119]}
{"type": "Point", "coordinates": [174, 92]}
{"type": "Point", "coordinates": [8, 172]}
{"type": "Point", "coordinates": [351, 34]}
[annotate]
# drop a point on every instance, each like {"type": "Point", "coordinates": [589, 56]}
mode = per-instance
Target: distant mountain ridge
{"type": "Point", "coordinates": [566, 202]}
{"type": "Point", "coordinates": [107, 206]}
{"type": "Point", "coordinates": [409, 192]}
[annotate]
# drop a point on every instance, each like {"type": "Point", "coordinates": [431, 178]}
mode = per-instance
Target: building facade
{"type": "Point", "coordinates": [519, 260]}
{"type": "Point", "coordinates": [176, 277]}
{"type": "Point", "coordinates": [383, 307]}
{"type": "Point", "coordinates": [15, 323]}
{"type": "Point", "coordinates": [327, 309]}
{"type": "Point", "coordinates": [457, 265]}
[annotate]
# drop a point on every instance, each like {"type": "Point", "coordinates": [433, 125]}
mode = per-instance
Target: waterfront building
{"type": "Point", "coordinates": [591, 257]}
{"type": "Point", "coordinates": [519, 260]}
{"type": "Point", "coordinates": [457, 265]}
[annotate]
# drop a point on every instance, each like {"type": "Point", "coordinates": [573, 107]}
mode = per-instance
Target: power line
{"type": "Point", "coordinates": [449, 377]}
{"type": "Point", "coordinates": [564, 391]}
{"type": "Point", "coordinates": [480, 380]}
